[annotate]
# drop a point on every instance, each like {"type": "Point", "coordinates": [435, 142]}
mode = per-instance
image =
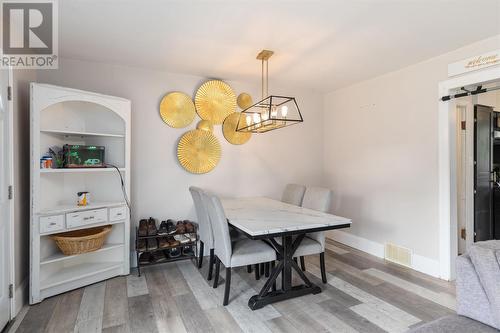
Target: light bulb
{"type": "Point", "coordinates": [256, 117]}
{"type": "Point", "coordinates": [274, 112]}
{"type": "Point", "coordinates": [249, 120]}
{"type": "Point", "coordinates": [284, 110]}
{"type": "Point", "coordinates": [265, 116]}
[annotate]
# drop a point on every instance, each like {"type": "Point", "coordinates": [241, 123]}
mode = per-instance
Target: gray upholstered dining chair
{"type": "Point", "coordinates": [232, 254]}
{"type": "Point", "coordinates": [204, 228]}
{"type": "Point", "coordinates": [316, 198]}
{"type": "Point", "coordinates": [293, 194]}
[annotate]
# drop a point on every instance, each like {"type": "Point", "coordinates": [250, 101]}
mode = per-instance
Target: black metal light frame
{"type": "Point", "coordinates": [271, 123]}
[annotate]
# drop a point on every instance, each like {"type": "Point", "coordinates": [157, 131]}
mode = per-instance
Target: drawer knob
{"type": "Point", "coordinates": [53, 223]}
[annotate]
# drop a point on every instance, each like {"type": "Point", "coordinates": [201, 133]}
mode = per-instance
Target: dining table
{"type": "Point", "coordinates": [269, 220]}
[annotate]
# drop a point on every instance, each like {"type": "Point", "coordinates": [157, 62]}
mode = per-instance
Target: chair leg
{"type": "Point", "coordinates": [228, 286]}
{"type": "Point", "coordinates": [249, 268]}
{"type": "Point", "coordinates": [257, 272]}
{"type": "Point", "coordinates": [211, 263]}
{"type": "Point", "coordinates": [295, 259]}
{"type": "Point", "coordinates": [266, 269]}
{"type": "Point", "coordinates": [217, 268]}
{"type": "Point", "coordinates": [200, 260]}
{"type": "Point", "coordinates": [322, 264]}
{"type": "Point", "coordinates": [302, 263]}
{"type": "Point", "coordinates": [261, 269]}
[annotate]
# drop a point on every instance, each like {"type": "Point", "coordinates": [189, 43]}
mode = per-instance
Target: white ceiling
{"type": "Point", "coordinates": [323, 45]}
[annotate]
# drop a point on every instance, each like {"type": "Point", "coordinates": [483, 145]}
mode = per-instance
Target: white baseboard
{"type": "Point", "coordinates": [419, 263]}
{"type": "Point", "coordinates": [21, 296]}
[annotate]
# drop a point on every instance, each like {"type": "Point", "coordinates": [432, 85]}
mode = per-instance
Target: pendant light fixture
{"type": "Point", "coordinates": [273, 111]}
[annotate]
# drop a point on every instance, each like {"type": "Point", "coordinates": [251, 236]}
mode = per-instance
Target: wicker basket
{"type": "Point", "coordinates": [81, 241]}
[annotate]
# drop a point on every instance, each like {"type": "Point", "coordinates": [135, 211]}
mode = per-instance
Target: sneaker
{"type": "Point", "coordinates": [174, 253]}
{"type": "Point", "coordinates": [144, 258]}
{"type": "Point", "coordinates": [192, 237]}
{"type": "Point", "coordinates": [180, 227]}
{"type": "Point", "coordinates": [152, 231]}
{"type": "Point", "coordinates": [171, 228]}
{"type": "Point", "coordinates": [158, 257]}
{"type": "Point", "coordinates": [143, 228]}
{"type": "Point", "coordinates": [182, 239]}
{"type": "Point", "coordinates": [163, 230]}
{"type": "Point", "coordinates": [152, 244]}
{"type": "Point", "coordinates": [141, 245]}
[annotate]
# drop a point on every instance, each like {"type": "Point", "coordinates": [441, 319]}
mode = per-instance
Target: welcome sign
{"type": "Point", "coordinates": [475, 63]}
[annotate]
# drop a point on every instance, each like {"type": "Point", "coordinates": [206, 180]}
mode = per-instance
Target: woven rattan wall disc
{"type": "Point", "coordinates": [177, 110]}
{"type": "Point", "coordinates": [244, 101]}
{"type": "Point", "coordinates": [214, 101]}
{"type": "Point", "coordinates": [198, 151]}
{"type": "Point", "coordinates": [229, 130]}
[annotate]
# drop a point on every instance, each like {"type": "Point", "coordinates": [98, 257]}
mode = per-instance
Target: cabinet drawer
{"type": "Point", "coordinates": [86, 217]}
{"type": "Point", "coordinates": [51, 223]}
{"type": "Point", "coordinates": [117, 213]}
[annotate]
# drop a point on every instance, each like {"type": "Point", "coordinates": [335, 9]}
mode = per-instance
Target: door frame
{"type": "Point", "coordinates": [447, 164]}
{"type": "Point", "coordinates": [10, 181]}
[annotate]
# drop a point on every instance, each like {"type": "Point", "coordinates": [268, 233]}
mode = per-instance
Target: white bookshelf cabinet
{"type": "Point", "coordinates": [67, 116]}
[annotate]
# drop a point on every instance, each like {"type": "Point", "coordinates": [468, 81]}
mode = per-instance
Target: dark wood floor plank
{"type": "Point", "coordinates": [141, 315]}
{"type": "Point", "coordinates": [65, 313]}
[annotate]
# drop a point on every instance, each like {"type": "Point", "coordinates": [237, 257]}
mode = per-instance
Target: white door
{"type": "Point", "coordinates": [5, 198]}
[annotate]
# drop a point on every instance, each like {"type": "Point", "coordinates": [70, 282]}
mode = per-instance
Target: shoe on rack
{"type": "Point", "coordinates": [163, 243]}
{"type": "Point", "coordinates": [188, 226]}
{"type": "Point", "coordinates": [144, 258]}
{"type": "Point", "coordinates": [141, 245]}
{"type": "Point", "coordinates": [188, 251]}
{"type": "Point", "coordinates": [158, 256]}
{"type": "Point", "coordinates": [152, 231]}
{"type": "Point", "coordinates": [163, 230]}
{"type": "Point", "coordinates": [152, 244]}
{"type": "Point", "coordinates": [173, 242]}
{"type": "Point", "coordinates": [182, 239]}
{"type": "Point", "coordinates": [180, 227]}
{"type": "Point", "coordinates": [192, 237]}
{"type": "Point", "coordinates": [143, 228]}
{"type": "Point", "coordinates": [175, 252]}
{"type": "Point", "coordinates": [171, 228]}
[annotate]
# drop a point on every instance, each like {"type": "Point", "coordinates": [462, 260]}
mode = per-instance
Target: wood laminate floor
{"type": "Point", "coordinates": [363, 294]}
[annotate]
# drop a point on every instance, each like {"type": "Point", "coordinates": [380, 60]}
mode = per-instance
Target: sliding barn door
{"type": "Point", "coordinates": [483, 185]}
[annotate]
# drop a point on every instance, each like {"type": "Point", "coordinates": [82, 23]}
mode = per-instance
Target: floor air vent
{"type": "Point", "coordinates": [399, 255]}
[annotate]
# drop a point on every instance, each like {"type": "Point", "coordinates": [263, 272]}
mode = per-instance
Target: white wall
{"type": "Point", "coordinates": [381, 156]}
{"type": "Point", "coordinates": [159, 184]}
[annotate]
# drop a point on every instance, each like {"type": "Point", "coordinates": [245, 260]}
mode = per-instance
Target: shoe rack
{"type": "Point", "coordinates": [163, 254]}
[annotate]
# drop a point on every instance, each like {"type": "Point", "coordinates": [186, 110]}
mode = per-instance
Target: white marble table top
{"type": "Point", "coordinates": [260, 216]}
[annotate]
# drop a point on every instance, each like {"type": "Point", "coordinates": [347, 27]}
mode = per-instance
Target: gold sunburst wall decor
{"type": "Point", "coordinates": [214, 101]}
{"type": "Point", "coordinates": [244, 101]}
{"type": "Point", "coordinates": [177, 109]}
{"type": "Point", "coordinates": [229, 130]}
{"type": "Point", "coordinates": [205, 125]}
{"type": "Point", "coordinates": [198, 151]}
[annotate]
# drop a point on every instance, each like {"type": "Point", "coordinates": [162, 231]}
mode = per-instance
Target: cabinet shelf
{"type": "Point", "coordinates": [81, 134]}
{"type": "Point", "coordinates": [80, 170]}
{"type": "Point", "coordinates": [76, 272]}
{"type": "Point", "coordinates": [61, 257]}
